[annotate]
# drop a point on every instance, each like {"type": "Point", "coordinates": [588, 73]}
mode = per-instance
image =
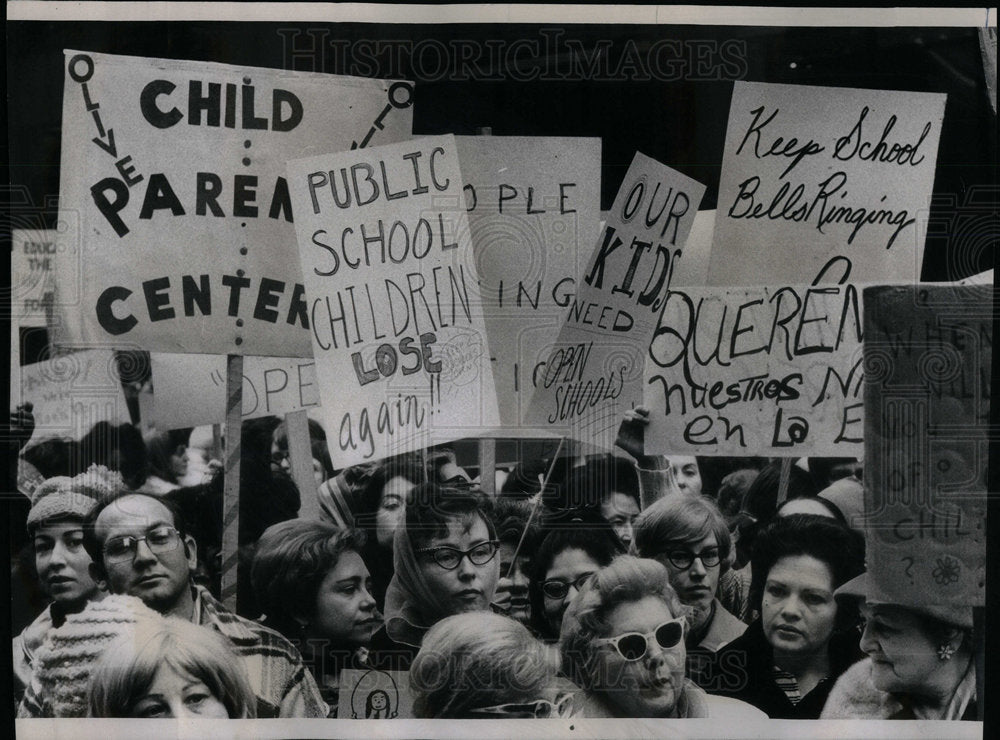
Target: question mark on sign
{"type": "Point", "coordinates": [909, 567]}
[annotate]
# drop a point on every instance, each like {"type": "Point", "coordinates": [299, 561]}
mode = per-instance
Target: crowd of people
{"type": "Point", "coordinates": [629, 585]}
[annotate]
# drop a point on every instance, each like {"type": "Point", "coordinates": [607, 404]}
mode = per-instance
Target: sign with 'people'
{"type": "Point", "coordinates": [533, 207]}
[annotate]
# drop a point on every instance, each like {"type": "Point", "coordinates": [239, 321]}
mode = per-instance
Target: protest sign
{"type": "Point", "coordinates": [175, 170]}
{"type": "Point", "coordinates": [773, 371]}
{"type": "Point", "coordinates": [32, 282]}
{"type": "Point", "coordinates": [374, 694]}
{"type": "Point", "coordinates": [812, 174]}
{"type": "Point", "coordinates": [533, 206]}
{"type": "Point", "coordinates": [691, 268]}
{"type": "Point", "coordinates": [400, 346]}
{"type": "Point", "coordinates": [190, 390]}
{"type": "Point", "coordinates": [927, 362]}
{"type": "Point", "coordinates": [595, 371]}
{"type": "Point", "coordinates": [72, 392]}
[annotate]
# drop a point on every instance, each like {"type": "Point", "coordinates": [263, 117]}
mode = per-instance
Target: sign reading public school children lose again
{"type": "Point", "coordinates": [812, 174]}
{"type": "Point", "coordinates": [402, 357]}
{"type": "Point", "coordinates": [176, 170]}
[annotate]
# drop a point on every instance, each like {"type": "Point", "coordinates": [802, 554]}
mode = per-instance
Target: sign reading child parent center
{"type": "Point", "coordinates": [533, 206]}
{"type": "Point", "coordinates": [594, 374]}
{"type": "Point", "coordinates": [176, 170]}
{"type": "Point", "coordinates": [402, 357]}
{"type": "Point", "coordinates": [757, 371]}
{"type": "Point", "coordinates": [813, 174]}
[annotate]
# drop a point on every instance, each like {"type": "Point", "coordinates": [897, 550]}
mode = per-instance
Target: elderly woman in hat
{"type": "Point", "coordinates": [55, 525]}
{"type": "Point", "coordinates": [919, 664]}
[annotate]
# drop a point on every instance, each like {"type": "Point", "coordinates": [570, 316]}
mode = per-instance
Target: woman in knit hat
{"type": "Point", "coordinates": [66, 661]}
{"type": "Point", "coordinates": [55, 525]}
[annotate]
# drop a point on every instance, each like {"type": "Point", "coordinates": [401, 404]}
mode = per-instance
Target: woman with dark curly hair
{"type": "Point", "coordinates": [788, 660]}
{"type": "Point", "coordinates": [315, 589]}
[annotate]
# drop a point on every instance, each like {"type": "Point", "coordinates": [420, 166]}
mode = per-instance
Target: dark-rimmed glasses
{"type": "Point", "coordinates": [555, 589]}
{"type": "Point", "coordinates": [634, 645]}
{"type": "Point", "coordinates": [540, 709]}
{"type": "Point", "coordinates": [449, 558]}
{"type": "Point", "coordinates": [683, 559]}
{"type": "Point", "coordinates": [158, 539]}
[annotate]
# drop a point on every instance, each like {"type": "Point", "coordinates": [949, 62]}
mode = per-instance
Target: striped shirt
{"type": "Point", "coordinates": [282, 684]}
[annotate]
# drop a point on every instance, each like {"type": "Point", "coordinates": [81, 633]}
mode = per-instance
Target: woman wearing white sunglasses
{"type": "Point", "coordinates": [622, 643]}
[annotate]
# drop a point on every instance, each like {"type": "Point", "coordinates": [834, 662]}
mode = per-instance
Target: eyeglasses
{"type": "Point", "coordinates": [540, 709]}
{"type": "Point", "coordinates": [555, 589]}
{"type": "Point", "coordinates": [684, 559]}
{"type": "Point", "coordinates": [449, 558]}
{"type": "Point", "coordinates": [158, 539]}
{"type": "Point", "coordinates": [279, 457]}
{"type": "Point", "coordinates": [634, 645]}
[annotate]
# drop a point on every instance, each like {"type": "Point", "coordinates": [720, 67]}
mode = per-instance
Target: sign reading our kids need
{"type": "Point", "coordinates": [815, 174]}
{"type": "Point", "coordinates": [594, 373]}
{"type": "Point", "coordinates": [402, 357]}
{"type": "Point", "coordinates": [176, 172]}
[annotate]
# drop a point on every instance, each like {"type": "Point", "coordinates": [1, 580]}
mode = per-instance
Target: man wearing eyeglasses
{"type": "Point", "coordinates": [139, 547]}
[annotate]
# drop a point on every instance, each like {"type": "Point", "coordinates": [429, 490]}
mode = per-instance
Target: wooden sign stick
{"type": "Point", "coordinates": [488, 465]}
{"type": "Point", "coordinates": [300, 456]}
{"type": "Point", "coordinates": [786, 474]}
{"type": "Point", "coordinates": [534, 509]}
{"type": "Point", "coordinates": [231, 492]}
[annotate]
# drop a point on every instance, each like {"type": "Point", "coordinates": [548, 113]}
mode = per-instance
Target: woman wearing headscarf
{"type": "Point", "coordinates": [919, 664]}
{"type": "Point", "coordinates": [445, 563]}
{"type": "Point", "coordinates": [373, 499]}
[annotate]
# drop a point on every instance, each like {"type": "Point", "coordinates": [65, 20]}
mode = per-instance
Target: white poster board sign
{"type": "Point", "coordinates": [402, 357]}
{"type": "Point", "coordinates": [594, 374]}
{"type": "Point", "coordinates": [176, 170]}
{"type": "Point", "coordinates": [33, 257]}
{"type": "Point", "coordinates": [773, 371]}
{"type": "Point", "coordinates": [190, 390]}
{"type": "Point", "coordinates": [533, 205]}
{"type": "Point", "coordinates": [72, 392]}
{"type": "Point", "coordinates": [814, 174]}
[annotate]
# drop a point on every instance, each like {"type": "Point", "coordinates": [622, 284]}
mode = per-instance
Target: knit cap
{"type": "Point", "coordinates": [64, 496]}
{"type": "Point", "coordinates": [70, 653]}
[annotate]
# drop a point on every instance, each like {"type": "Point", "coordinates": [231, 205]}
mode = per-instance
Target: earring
{"type": "Point", "coordinates": [945, 651]}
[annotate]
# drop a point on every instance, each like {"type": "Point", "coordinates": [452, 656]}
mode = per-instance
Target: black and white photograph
{"type": "Point", "coordinates": [500, 370]}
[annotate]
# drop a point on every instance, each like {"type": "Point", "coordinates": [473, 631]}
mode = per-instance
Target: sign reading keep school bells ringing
{"type": "Point", "coordinates": [176, 172]}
